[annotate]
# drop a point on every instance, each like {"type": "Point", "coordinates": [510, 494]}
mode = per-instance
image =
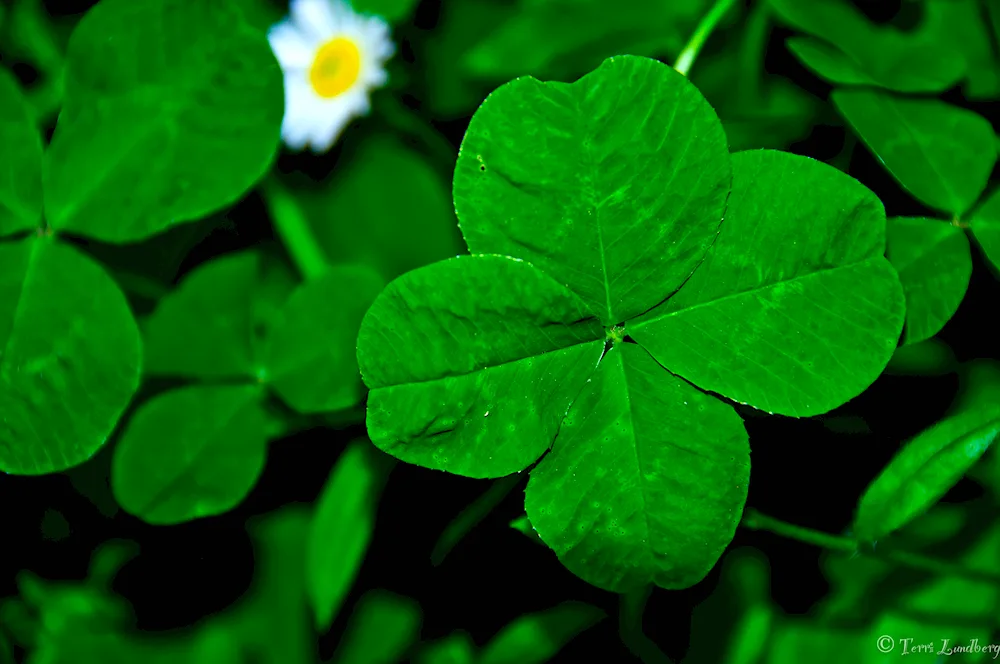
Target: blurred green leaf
{"type": "Point", "coordinates": [536, 638]}
{"type": "Point", "coordinates": [7, 654]}
{"type": "Point", "coordinates": [207, 102]}
{"type": "Point", "coordinates": [21, 177]}
{"type": "Point", "coordinates": [934, 264]}
{"type": "Point", "coordinates": [798, 640]}
{"type": "Point", "coordinates": [523, 525]}
{"type": "Point", "coordinates": [452, 92]}
{"type": "Point", "coordinates": [559, 39]}
{"type": "Point", "coordinates": [342, 527]}
{"type": "Point", "coordinates": [204, 329]}
{"type": "Point", "coordinates": [311, 361]}
{"type": "Point", "coordinates": [740, 606]}
{"type": "Point", "coordinates": [931, 463]}
{"type": "Point", "coordinates": [951, 608]}
{"type": "Point", "coordinates": [356, 221]}
{"type": "Point", "coordinates": [70, 360]}
{"type": "Point", "coordinates": [393, 11]}
{"type": "Point", "coordinates": [961, 26]}
{"type": "Point", "coordinates": [381, 630]}
{"type": "Point", "coordinates": [190, 453]}
{"type": "Point", "coordinates": [940, 153]}
{"type": "Point", "coordinates": [860, 52]}
{"type": "Point", "coordinates": [932, 357]}
{"type": "Point", "coordinates": [271, 623]}
{"type": "Point", "coordinates": [456, 648]}
{"type": "Point", "coordinates": [984, 222]}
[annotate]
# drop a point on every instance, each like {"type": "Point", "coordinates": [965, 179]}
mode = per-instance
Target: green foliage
{"type": "Point", "coordinates": [21, 184]}
{"type": "Point", "coordinates": [342, 527]}
{"type": "Point", "coordinates": [549, 174]}
{"type": "Point", "coordinates": [393, 11]}
{"type": "Point", "coordinates": [392, 234]}
{"type": "Point", "coordinates": [191, 452]}
{"type": "Point", "coordinates": [640, 277]}
{"type": "Point", "coordinates": [70, 360]}
{"type": "Point", "coordinates": [847, 49]}
{"type": "Point", "coordinates": [188, 82]}
{"type": "Point", "coordinates": [934, 265]}
{"type": "Point", "coordinates": [940, 153]}
{"type": "Point", "coordinates": [238, 327]}
{"type": "Point", "coordinates": [381, 630]}
{"type": "Point", "coordinates": [931, 463]}
{"type": "Point", "coordinates": [984, 223]}
{"type": "Point", "coordinates": [536, 638]}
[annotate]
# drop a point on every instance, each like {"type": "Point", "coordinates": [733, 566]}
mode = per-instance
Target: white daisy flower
{"type": "Point", "coordinates": [332, 59]}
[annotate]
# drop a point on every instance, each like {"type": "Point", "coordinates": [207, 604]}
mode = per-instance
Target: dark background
{"type": "Point", "coordinates": [806, 471]}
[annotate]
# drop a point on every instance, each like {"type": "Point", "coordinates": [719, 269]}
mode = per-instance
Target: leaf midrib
{"type": "Point", "coordinates": [462, 374]}
{"type": "Point", "coordinates": [158, 496]}
{"type": "Point", "coordinates": [755, 289]}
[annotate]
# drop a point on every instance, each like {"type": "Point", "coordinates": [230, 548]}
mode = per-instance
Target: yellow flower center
{"type": "Point", "coordinates": [335, 67]}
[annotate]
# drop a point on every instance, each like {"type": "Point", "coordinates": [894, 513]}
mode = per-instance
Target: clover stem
{"type": "Point", "coordinates": [631, 606]}
{"type": "Point", "coordinates": [701, 34]}
{"type": "Point", "coordinates": [752, 52]}
{"type": "Point", "coordinates": [293, 229]}
{"type": "Point", "coordinates": [754, 520]}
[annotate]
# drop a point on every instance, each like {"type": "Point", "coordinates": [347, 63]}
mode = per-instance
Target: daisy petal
{"type": "Point", "coordinates": [289, 45]}
{"type": "Point", "coordinates": [316, 18]}
{"type": "Point", "coordinates": [326, 135]}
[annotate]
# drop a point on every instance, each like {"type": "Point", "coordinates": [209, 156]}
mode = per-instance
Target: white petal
{"type": "Point", "coordinates": [316, 18]}
{"type": "Point", "coordinates": [289, 45]}
{"type": "Point", "coordinates": [325, 135]}
{"type": "Point", "coordinates": [376, 77]}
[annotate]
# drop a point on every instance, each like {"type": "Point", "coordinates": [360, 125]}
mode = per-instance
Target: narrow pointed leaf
{"type": "Point", "coordinates": [934, 265]}
{"type": "Point", "coordinates": [940, 153]}
{"type": "Point", "coordinates": [550, 173]}
{"type": "Point", "coordinates": [536, 638]}
{"type": "Point", "coordinates": [828, 61]}
{"type": "Point", "coordinates": [21, 171]}
{"type": "Point", "coordinates": [931, 463]}
{"type": "Point", "coordinates": [70, 356]}
{"type": "Point", "coordinates": [855, 51]}
{"type": "Point", "coordinates": [342, 526]}
{"type": "Point", "coordinates": [646, 481]}
{"type": "Point", "coordinates": [775, 316]}
{"type": "Point", "coordinates": [172, 110]}
{"type": "Point", "coordinates": [381, 630]}
{"type": "Point", "coordinates": [189, 453]}
{"type": "Point", "coordinates": [204, 328]}
{"type": "Point", "coordinates": [311, 360]}
{"type": "Point", "coordinates": [472, 363]}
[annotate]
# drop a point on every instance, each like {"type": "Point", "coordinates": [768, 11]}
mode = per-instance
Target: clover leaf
{"type": "Point", "coordinates": [172, 111]}
{"type": "Point", "coordinates": [602, 302]}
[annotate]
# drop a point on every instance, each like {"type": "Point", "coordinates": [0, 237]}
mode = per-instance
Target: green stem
{"type": "Point", "coordinates": [631, 606]}
{"type": "Point", "coordinates": [701, 34]}
{"type": "Point", "coordinates": [752, 52]}
{"type": "Point", "coordinates": [293, 229]}
{"type": "Point", "coordinates": [754, 520]}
